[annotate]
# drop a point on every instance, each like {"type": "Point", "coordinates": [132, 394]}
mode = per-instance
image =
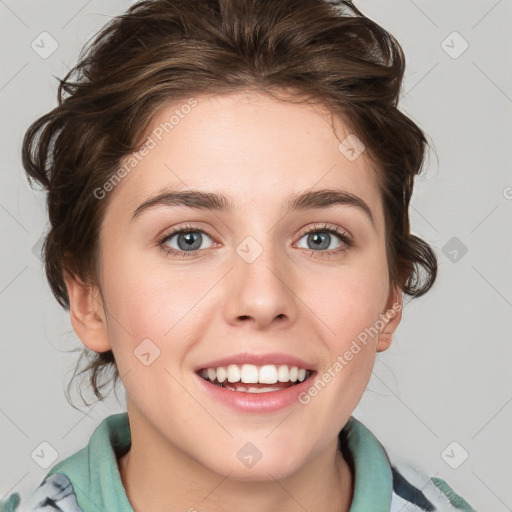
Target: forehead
{"type": "Point", "coordinates": [251, 147]}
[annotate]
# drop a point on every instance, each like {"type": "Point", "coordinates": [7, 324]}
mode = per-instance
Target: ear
{"type": "Point", "coordinates": [87, 313]}
{"type": "Point", "coordinates": [391, 318]}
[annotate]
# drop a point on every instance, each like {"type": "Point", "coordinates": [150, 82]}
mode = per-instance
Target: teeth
{"type": "Point", "coordinates": [268, 374]}
{"type": "Point", "coordinates": [251, 374]}
{"type": "Point", "coordinates": [283, 375]}
{"type": "Point", "coordinates": [221, 374]}
{"type": "Point", "coordinates": [251, 389]}
{"type": "Point", "coordinates": [233, 373]}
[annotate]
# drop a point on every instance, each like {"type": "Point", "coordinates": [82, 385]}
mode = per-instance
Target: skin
{"type": "Point", "coordinates": [257, 151]}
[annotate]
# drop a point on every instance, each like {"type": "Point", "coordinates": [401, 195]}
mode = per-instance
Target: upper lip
{"type": "Point", "coordinates": [258, 360]}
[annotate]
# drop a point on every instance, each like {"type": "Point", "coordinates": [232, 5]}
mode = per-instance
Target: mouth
{"type": "Point", "coordinates": [248, 378]}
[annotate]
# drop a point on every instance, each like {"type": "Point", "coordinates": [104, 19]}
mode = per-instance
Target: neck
{"type": "Point", "coordinates": [158, 475]}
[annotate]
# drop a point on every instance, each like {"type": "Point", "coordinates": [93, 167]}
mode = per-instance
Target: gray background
{"type": "Point", "coordinates": [446, 378]}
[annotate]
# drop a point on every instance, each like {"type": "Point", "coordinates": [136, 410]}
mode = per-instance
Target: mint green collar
{"type": "Point", "coordinates": [94, 473]}
{"type": "Point", "coordinates": [93, 470]}
{"type": "Point", "coordinates": [373, 484]}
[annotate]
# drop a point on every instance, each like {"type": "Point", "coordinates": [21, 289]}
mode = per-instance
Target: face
{"type": "Point", "coordinates": [257, 280]}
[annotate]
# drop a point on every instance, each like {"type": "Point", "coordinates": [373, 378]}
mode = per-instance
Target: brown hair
{"type": "Point", "coordinates": [165, 50]}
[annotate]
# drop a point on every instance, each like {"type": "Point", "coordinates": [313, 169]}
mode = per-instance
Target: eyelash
{"type": "Point", "coordinates": [322, 228]}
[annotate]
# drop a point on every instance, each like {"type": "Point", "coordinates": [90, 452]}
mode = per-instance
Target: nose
{"type": "Point", "coordinates": [262, 291]}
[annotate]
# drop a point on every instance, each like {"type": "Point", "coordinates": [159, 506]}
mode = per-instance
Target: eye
{"type": "Point", "coordinates": [187, 241]}
{"type": "Point", "coordinates": [184, 241]}
{"type": "Point", "coordinates": [320, 239]}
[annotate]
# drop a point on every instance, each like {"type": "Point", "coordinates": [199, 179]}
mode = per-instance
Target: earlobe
{"type": "Point", "coordinates": [391, 319]}
{"type": "Point", "coordinates": [87, 313]}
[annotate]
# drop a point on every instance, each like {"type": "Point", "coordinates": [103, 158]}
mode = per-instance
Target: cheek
{"type": "Point", "coordinates": [347, 302]}
{"type": "Point", "coordinates": [151, 327]}
{"type": "Point", "coordinates": [148, 301]}
{"type": "Point", "coordinates": [349, 309]}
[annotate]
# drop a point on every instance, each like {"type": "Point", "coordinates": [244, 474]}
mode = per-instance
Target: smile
{"type": "Point", "coordinates": [249, 378]}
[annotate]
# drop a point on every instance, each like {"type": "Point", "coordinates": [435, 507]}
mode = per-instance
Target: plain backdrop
{"type": "Point", "coordinates": [440, 398]}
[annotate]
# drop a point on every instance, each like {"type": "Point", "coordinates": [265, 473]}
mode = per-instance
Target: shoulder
{"type": "Point", "coordinates": [91, 471]}
{"type": "Point", "coordinates": [414, 490]}
{"type": "Point", "coordinates": [55, 493]}
{"type": "Point", "coordinates": [395, 485]}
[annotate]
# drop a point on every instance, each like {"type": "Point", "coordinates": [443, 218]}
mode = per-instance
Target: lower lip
{"type": "Point", "coordinates": [257, 402]}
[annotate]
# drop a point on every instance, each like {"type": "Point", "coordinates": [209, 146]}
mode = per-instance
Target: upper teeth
{"type": "Point", "coordinates": [251, 374]}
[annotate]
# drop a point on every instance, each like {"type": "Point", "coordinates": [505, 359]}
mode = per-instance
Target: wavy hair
{"type": "Point", "coordinates": [165, 50]}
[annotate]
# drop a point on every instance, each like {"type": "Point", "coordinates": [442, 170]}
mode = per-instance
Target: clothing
{"type": "Point", "coordinates": [89, 480]}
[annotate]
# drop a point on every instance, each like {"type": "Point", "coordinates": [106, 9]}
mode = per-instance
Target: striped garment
{"type": "Point", "coordinates": [89, 480]}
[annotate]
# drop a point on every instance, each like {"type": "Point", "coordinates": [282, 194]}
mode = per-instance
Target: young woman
{"type": "Point", "coordinates": [228, 189]}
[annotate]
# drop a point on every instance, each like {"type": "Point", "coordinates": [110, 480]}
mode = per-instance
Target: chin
{"type": "Point", "coordinates": [261, 472]}
{"type": "Point", "coordinates": [248, 463]}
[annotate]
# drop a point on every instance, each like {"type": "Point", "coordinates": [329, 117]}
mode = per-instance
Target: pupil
{"type": "Point", "coordinates": [190, 239]}
{"type": "Point", "coordinates": [318, 242]}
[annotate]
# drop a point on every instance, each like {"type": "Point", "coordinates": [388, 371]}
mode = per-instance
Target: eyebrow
{"type": "Point", "coordinates": [310, 199]}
